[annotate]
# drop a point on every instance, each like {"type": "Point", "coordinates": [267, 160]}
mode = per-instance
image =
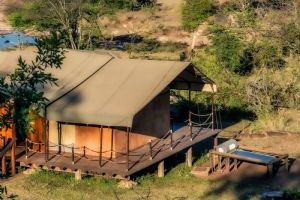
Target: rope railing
{"type": "Point", "coordinates": [202, 115]}
{"type": "Point", "coordinates": [151, 149]}
{"type": "Point", "coordinates": [74, 155]}
{"type": "Point", "coordinates": [208, 122]}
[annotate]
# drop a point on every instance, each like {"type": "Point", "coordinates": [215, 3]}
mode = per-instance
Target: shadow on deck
{"type": "Point", "coordinates": [139, 158]}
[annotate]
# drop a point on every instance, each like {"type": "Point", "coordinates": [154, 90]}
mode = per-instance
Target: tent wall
{"type": "Point", "coordinates": [153, 121]}
{"type": "Point", "coordinates": [154, 118]}
{"type": "Point", "coordinates": [90, 138]}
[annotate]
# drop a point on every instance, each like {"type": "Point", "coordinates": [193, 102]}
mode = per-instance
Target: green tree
{"type": "Point", "coordinates": [22, 91]}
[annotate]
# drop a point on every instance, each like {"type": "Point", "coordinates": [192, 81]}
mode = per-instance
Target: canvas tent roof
{"type": "Point", "coordinates": [77, 67]}
{"type": "Point", "coordinates": [99, 89]}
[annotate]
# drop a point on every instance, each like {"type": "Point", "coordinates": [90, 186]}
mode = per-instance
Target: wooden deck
{"type": "Point", "coordinates": [139, 158]}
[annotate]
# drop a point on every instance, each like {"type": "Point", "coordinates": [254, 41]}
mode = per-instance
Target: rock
{"type": "Point", "coordinates": [126, 184]}
{"type": "Point", "coordinates": [30, 171]}
{"type": "Point", "coordinates": [78, 175]}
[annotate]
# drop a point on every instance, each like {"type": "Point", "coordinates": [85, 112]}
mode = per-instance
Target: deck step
{"type": "Point", "coordinates": [201, 172]}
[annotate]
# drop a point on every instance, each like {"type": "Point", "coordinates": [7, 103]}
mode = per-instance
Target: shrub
{"type": "Point", "coordinates": [228, 48]}
{"type": "Point", "coordinates": [17, 20]}
{"type": "Point", "coordinates": [272, 89]}
{"type": "Point", "coordinates": [32, 14]}
{"type": "Point", "coordinates": [123, 4]}
{"type": "Point", "coordinates": [290, 34]}
{"type": "Point", "coordinates": [291, 194]}
{"type": "Point", "coordinates": [268, 54]}
{"type": "Point", "coordinates": [231, 87]}
{"type": "Point", "coordinates": [246, 18]}
{"type": "Point", "coordinates": [194, 12]}
{"type": "Point", "coordinates": [246, 62]}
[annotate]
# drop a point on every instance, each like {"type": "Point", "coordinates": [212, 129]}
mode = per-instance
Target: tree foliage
{"type": "Point", "coordinates": [22, 91]}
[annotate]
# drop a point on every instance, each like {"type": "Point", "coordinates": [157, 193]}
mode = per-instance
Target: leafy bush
{"type": "Point", "coordinates": [291, 194]}
{"type": "Point", "coordinates": [194, 12]}
{"type": "Point", "coordinates": [32, 14]}
{"type": "Point", "coordinates": [246, 62]}
{"type": "Point", "coordinates": [122, 4]}
{"type": "Point", "coordinates": [228, 48]}
{"type": "Point", "coordinates": [36, 13]}
{"type": "Point", "coordinates": [267, 53]}
{"type": "Point", "coordinates": [231, 87]}
{"type": "Point", "coordinates": [272, 89]}
{"type": "Point", "coordinates": [246, 18]}
{"type": "Point", "coordinates": [290, 34]}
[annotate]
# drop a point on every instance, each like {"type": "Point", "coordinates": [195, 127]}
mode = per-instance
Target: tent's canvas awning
{"type": "Point", "coordinates": [99, 89]}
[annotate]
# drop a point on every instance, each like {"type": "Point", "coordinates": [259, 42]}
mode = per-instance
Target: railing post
{"type": "Point", "coordinates": [83, 151]}
{"type": "Point", "coordinates": [100, 152]}
{"type": "Point", "coordinates": [3, 165]}
{"type": "Point", "coordinates": [171, 140]}
{"type": "Point", "coordinates": [191, 126]}
{"type": "Point", "coordinates": [73, 156]}
{"type": "Point", "coordinates": [128, 163]}
{"type": "Point", "coordinates": [26, 148]}
{"type": "Point", "coordinates": [150, 149]}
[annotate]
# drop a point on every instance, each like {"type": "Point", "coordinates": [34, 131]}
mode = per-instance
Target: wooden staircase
{"type": "Point", "coordinates": [7, 146]}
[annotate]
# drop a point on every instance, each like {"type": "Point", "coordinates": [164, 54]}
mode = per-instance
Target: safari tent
{"type": "Point", "coordinates": [106, 108]}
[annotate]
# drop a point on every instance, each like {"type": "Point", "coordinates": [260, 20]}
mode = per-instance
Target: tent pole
{"type": "Point", "coordinates": [127, 149]}
{"type": "Point", "coordinates": [59, 136]}
{"type": "Point", "coordinates": [213, 119]}
{"type": "Point", "coordinates": [100, 154]}
{"type": "Point", "coordinates": [45, 134]}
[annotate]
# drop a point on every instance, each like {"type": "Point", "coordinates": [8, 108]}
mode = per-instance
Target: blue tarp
{"type": "Point", "coordinates": [15, 39]}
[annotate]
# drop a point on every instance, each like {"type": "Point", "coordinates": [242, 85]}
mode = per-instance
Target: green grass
{"type": "Point", "coordinates": [177, 184]}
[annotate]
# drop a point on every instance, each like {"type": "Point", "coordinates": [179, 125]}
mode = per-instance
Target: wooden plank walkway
{"type": "Point", "coordinates": [139, 158]}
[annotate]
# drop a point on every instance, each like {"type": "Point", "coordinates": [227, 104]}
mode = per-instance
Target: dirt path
{"type": "Point", "coordinates": [170, 12]}
{"type": "Point", "coordinates": [4, 25]}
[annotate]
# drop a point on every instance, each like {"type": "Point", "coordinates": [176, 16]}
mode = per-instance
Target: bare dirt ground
{"type": "Point", "coordinates": [4, 25]}
{"type": "Point", "coordinates": [162, 23]}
